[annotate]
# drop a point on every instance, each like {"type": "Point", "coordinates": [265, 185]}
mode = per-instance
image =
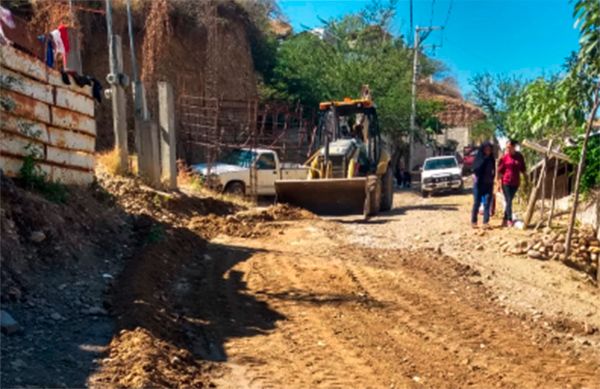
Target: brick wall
{"type": "Point", "coordinates": [42, 116]}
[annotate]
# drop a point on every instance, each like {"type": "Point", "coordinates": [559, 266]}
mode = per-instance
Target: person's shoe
{"type": "Point", "coordinates": [509, 223]}
{"type": "Point", "coordinates": [474, 225]}
{"type": "Point", "coordinates": [503, 223]}
{"type": "Point", "coordinates": [486, 226]}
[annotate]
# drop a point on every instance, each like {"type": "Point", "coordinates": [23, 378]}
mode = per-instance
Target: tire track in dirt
{"type": "Point", "coordinates": [358, 317]}
{"type": "Point", "coordinates": [483, 339]}
{"type": "Point", "coordinates": [303, 352]}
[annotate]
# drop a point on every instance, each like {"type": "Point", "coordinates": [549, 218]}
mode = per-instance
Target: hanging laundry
{"type": "Point", "coordinates": [61, 41]}
{"type": "Point", "coordinates": [65, 78]}
{"type": "Point", "coordinates": [5, 19]}
{"type": "Point", "coordinates": [49, 52]}
{"type": "Point", "coordinates": [46, 41]}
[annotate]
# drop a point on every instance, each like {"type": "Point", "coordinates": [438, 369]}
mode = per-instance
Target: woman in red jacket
{"type": "Point", "coordinates": [510, 168]}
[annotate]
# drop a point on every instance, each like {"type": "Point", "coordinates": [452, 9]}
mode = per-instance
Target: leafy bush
{"type": "Point", "coordinates": [34, 178]}
{"type": "Point", "coordinates": [591, 174]}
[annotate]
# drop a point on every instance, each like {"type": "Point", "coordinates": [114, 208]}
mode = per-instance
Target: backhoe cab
{"type": "Point", "coordinates": [350, 172]}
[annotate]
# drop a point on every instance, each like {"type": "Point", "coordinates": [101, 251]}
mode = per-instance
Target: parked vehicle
{"type": "Point", "coordinates": [350, 173]}
{"type": "Point", "coordinates": [469, 153]}
{"type": "Point", "coordinates": [441, 174]}
{"type": "Point", "coordinates": [232, 173]}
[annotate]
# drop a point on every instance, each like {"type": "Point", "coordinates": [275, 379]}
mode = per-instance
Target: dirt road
{"type": "Point", "coordinates": [347, 304]}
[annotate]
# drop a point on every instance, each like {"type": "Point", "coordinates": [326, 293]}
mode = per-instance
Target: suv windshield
{"type": "Point", "coordinates": [239, 157]}
{"type": "Point", "coordinates": [443, 163]}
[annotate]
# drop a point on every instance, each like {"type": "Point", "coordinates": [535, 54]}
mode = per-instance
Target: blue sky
{"type": "Point", "coordinates": [517, 37]}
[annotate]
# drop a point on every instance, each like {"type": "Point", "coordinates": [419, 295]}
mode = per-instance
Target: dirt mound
{"type": "Point", "coordinates": [173, 207]}
{"type": "Point", "coordinates": [247, 224]}
{"type": "Point", "coordinates": [141, 360]}
{"type": "Point", "coordinates": [152, 350]}
{"type": "Point", "coordinates": [277, 212]}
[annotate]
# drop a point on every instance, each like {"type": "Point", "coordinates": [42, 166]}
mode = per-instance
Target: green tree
{"type": "Point", "coordinates": [495, 95]}
{"type": "Point", "coordinates": [357, 49]}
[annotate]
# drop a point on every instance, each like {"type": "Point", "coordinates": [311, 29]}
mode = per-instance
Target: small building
{"type": "Point", "coordinates": [458, 118]}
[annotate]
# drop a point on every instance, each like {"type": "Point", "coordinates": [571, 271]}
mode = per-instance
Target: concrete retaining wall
{"type": "Point", "coordinates": [42, 116]}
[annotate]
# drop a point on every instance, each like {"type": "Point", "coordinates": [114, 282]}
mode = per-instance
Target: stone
{"type": "Point", "coordinates": [96, 311]}
{"type": "Point", "coordinates": [56, 316]}
{"type": "Point", "coordinates": [535, 254]}
{"type": "Point", "coordinates": [558, 248]}
{"type": "Point", "coordinates": [479, 247]}
{"type": "Point", "coordinates": [37, 236]}
{"type": "Point", "coordinates": [8, 324]}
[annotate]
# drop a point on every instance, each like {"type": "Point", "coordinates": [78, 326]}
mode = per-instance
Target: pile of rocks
{"type": "Point", "coordinates": [550, 244]}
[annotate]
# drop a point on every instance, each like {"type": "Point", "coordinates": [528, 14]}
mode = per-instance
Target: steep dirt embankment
{"type": "Point", "coordinates": [162, 339]}
{"type": "Point", "coordinates": [109, 263]}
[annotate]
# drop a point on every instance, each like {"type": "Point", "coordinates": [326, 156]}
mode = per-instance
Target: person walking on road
{"type": "Point", "coordinates": [484, 172]}
{"type": "Point", "coordinates": [510, 168]}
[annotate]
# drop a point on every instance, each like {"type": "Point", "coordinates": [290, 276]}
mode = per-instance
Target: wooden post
{"type": "Point", "coordinates": [580, 167]}
{"type": "Point", "coordinates": [536, 189]}
{"type": "Point", "coordinates": [553, 196]}
{"type": "Point", "coordinates": [166, 117]}
{"type": "Point", "coordinates": [119, 103]}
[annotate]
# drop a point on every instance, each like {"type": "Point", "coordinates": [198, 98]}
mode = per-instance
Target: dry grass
{"type": "Point", "coordinates": [110, 161]}
{"type": "Point", "coordinates": [188, 181]}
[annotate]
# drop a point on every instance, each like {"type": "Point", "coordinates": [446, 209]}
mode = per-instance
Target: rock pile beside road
{"type": "Point", "coordinates": [550, 245]}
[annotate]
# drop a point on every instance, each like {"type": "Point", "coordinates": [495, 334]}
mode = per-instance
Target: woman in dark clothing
{"type": "Point", "coordinates": [484, 171]}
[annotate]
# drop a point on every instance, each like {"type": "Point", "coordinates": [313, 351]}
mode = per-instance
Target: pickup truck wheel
{"type": "Point", "coordinates": [387, 190]}
{"type": "Point", "coordinates": [424, 194]}
{"type": "Point", "coordinates": [235, 188]}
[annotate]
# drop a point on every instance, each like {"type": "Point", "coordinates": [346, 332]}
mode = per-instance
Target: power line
{"type": "Point", "coordinates": [432, 12]}
{"type": "Point", "coordinates": [412, 27]}
{"type": "Point", "coordinates": [448, 13]}
{"type": "Point", "coordinates": [446, 21]}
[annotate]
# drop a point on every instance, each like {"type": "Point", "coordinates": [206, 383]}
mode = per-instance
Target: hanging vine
{"type": "Point", "coordinates": [158, 32]}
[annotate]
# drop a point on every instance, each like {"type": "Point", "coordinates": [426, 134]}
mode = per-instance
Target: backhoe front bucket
{"type": "Point", "coordinates": [333, 196]}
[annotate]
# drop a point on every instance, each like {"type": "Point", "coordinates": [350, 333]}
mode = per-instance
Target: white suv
{"type": "Point", "coordinates": [441, 174]}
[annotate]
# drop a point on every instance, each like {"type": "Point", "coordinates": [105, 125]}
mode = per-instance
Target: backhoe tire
{"type": "Point", "coordinates": [387, 190]}
{"type": "Point", "coordinates": [235, 188]}
{"type": "Point", "coordinates": [373, 197]}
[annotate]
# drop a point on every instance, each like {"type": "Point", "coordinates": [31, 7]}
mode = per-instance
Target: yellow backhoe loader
{"type": "Point", "coordinates": [350, 173]}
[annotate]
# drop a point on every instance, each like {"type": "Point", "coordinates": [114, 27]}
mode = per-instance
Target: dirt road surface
{"type": "Point", "coordinates": [411, 298]}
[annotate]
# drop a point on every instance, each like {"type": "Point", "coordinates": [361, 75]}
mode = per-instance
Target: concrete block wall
{"type": "Point", "coordinates": [40, 114]}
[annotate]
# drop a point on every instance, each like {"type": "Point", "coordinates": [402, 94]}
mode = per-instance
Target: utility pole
{"type": "Point", "coordinates": [117, 81]}
{"type": "Point", "coordinates": [419, 39]}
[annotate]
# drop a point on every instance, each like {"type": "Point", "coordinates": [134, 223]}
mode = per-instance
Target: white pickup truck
{"type": "Point", "coordinates": [232, 173]}
{"type": "Point", "coordinates": [441, 174]}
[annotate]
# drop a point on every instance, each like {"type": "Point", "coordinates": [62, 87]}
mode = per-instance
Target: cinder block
{"type": "Point", "coordinates": [23, 106]}
{"type": "Point", "coordinates": [25, 85]}
{"type": "Point", "coordinates": [11, 166]}
{"type": "Point", "coordinates": [25, 127]}
{"type": "Point", "coordinates": [73, 121]}
{"type": "Point", "coordinates": [71, 176]}
{"type": "Point", "coordinates": [67, 139]}
{"type": "Point", "coordinates": [19, 61]}
{"type": "Point", "coordinates": [70, 158]}
{"type": "Point", "coordinates": [18, 145]}
{"type": "Point", "coordinates": [77, 102]}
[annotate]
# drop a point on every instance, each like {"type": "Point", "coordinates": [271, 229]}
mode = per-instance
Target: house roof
{"type": "Point", "coordinates": [457, 112]}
